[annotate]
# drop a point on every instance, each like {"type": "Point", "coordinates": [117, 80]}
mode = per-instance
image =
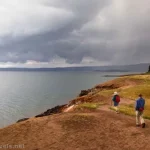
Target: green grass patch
{"type": "Point", "coordinates": [127, 110]}
{"type": "Point", "coordinates": [130, 110]}
{"type": "Point", "coordinates": [140, 84]}
{"type": "Point", "coordinates": [133, 92]}
{"type": "Point", "coordinates": [144, 76]}
{"type": "Point", "coordinates": [107, 93]}
{"type": "Point", "coordinates": [90, 105]}
{"type": "Point", "coordinates": [147, 109]}
{"type": "Point", "coordinates": [143, 85]}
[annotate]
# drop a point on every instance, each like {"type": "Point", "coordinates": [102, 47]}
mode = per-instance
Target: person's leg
{"type": "Point", "coordinates": [137, 118]}
{"type": "Point", "coordinates": [142, 120]}
{"type": "Point", "coordinates": [116, 107]}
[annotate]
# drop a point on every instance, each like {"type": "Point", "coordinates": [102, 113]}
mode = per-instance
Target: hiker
{"type": "Point", "coordinates": [116, 100]}
{"type": "Point", "coordinates": [139, 109]}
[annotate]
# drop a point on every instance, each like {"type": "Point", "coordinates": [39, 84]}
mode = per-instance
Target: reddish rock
{"type": "Point", "coordinates": [55, 110]}
{"type": "Point", "coordinates": [24, 119]}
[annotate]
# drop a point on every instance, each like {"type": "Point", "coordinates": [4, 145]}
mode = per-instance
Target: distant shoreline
{"type": "Point", "coordinates": [62, 70]}
{"type": "Point", "coordinates": [141, 67]}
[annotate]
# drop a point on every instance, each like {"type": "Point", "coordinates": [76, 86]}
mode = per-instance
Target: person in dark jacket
{"type": "Point", "coordinates": [139, 109]}
{"type": "Point", "coordinates": [116, 100]}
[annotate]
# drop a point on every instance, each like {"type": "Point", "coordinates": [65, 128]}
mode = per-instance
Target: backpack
{"type": "Point", "coordinates": [117, 98]}
{"type": "Point", "coordinates": [141, 109]}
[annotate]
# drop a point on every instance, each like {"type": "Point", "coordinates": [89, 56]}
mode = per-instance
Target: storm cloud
{"type": "Point", "coordinates": [59, 33]}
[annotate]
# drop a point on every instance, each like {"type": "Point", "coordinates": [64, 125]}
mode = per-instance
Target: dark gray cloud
{"type": "Point", "coordinates": [74, 32]}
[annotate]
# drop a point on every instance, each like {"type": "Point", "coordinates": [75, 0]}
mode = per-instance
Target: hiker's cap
{"type": "Point", "coordinates": [115, 93]}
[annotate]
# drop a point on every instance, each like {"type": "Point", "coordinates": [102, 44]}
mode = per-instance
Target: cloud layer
{"type": "Point", "coordinates": [53, 33]}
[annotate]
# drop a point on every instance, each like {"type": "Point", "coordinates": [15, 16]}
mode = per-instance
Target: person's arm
{"type": "Point", "coordinates": [111, 103]}
{"type": "Point", "coordinates": [112, 100]}
{"type": "Point", "coordinates": [136, 105]}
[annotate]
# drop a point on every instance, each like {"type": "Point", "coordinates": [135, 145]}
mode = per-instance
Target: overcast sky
{"type": "Point", "coordinates": [59, 33]}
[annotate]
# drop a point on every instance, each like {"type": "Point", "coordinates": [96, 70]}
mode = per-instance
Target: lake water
{"type": "Point", "coordinates": [26, 94]}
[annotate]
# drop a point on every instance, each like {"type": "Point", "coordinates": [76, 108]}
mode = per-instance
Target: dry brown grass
{"type": "Point", "coordinates": [79, 122]}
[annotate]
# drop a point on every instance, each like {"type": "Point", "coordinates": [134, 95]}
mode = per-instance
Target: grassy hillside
{"type": "Point", "coordinates": [129, 87]}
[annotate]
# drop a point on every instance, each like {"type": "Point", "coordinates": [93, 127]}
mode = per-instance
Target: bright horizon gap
{"type": "Point", "coordinates": [70, 66]}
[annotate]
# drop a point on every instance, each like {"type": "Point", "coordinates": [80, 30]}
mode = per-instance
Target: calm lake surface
{"type": "Point", "coordinates": [26, 94]}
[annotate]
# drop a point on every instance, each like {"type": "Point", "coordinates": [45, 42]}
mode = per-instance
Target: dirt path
{"type": "Point", "coordinates": [123, 101]}
{"type": "Point", "coordinates": [102, 130]}
{"type": "Point", "coordinates": [126, 101]}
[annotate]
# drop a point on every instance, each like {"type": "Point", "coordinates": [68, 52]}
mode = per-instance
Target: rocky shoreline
{"type": "Point", "coordinates": [62, 108]}
{"type": "Point", "coordinates": [54, 110]}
